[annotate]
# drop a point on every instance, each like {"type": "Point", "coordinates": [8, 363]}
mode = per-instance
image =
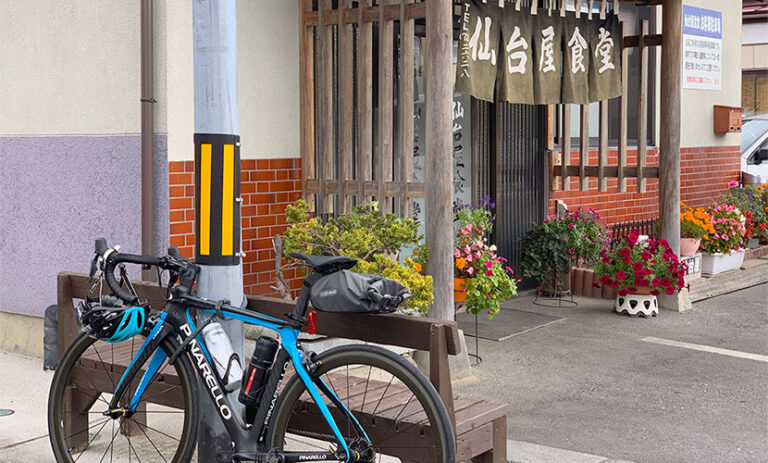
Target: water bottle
{"type": "Point", "coordinates": [256, 375]}
{"type": "Point", "coordinates": [225, 360]}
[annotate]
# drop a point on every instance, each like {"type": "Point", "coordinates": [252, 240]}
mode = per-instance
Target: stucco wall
{"type": "Point", "coordinates": [697, 105]}
{"type": "Point", "coordinates": [69, 67]}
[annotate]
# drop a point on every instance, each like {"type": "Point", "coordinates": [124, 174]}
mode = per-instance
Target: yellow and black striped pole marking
{"type": "Point", "coordinates": [217, 199]}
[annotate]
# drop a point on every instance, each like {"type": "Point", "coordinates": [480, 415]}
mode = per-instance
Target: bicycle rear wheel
{"type": "Point", "coordinates": [163, 428]}
{"type": "Point", "coordinates": [397, 407]}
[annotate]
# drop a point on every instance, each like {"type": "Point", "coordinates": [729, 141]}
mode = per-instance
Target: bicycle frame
{"type": "Point", "coordinates": [249, 441]}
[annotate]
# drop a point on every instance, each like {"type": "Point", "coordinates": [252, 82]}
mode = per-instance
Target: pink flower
{"type": "Point", "coordinates": [489, 273]}
{"type": "Point", "coordinates": [733, 184]}
{"type": "Point", "coordinates": [469, 258]}
{"type": "Point", "coordinates": [470, 270]}
{"type": "Point", "coordinates": [457, 253]}
{"type": "Point", "coordinates": [570, 225]}
{"type": "Point", "coordinates": [572, 251]}
{"type": "Point", "coordinates": [509, 269]}
{"type": "Point", "coordinates": [488, 264]}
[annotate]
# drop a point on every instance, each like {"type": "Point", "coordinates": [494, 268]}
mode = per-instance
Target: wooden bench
{"type": "Point", "coordinates": [480, 425]}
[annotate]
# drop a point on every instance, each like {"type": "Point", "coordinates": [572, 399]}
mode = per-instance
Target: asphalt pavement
{"type": "Point", "coordinates": [603, 384]}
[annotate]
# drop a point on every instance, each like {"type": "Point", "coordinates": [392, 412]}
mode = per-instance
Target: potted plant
{"type": "Point", "coordinates": [750, 202]}
{"type": "Point", "coordinates": [724, 249]}
{"type": "Point", "coordinates": [694, 226]}
{"type": "Point", "coordinates": [482, 279]}
{"type": "Point", "coordinates": [367, 235]}
{"type": "Point", "coordinates": [640, 271]}
{"type": "Point", "coordinates": [564, 240]}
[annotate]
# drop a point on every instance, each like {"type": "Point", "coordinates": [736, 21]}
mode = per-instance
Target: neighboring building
{"type": "Point", "coordinates": [754, 57]}
{"type": "Point", "coordinates": [70, 143]}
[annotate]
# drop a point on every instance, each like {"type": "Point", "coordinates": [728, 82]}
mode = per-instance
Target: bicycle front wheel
{"type": "Point", "coordinates": [401, 414]}
{"type": "Point", "coordinates": [163, 427]}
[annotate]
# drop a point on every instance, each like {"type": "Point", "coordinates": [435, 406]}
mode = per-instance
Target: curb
{"type": "Point", "coordinates": [526, 452]}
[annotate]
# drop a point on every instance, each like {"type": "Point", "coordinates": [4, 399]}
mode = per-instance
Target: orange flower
{"type": "Point", "coordinates": [461, 263]}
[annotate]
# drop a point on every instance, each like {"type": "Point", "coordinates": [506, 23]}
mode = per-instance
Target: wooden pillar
{"type": "Point", "coordinates": [439, 163]}
{"type": "Point", "coordinates": [669, 146]}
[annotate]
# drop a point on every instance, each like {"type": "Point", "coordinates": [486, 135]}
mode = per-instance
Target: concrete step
{"type": "Point", "coordinates": [753, 272]}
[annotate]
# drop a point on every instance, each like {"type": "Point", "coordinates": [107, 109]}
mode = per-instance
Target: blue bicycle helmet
{"type": "Point", "coordinates": [113, 324]}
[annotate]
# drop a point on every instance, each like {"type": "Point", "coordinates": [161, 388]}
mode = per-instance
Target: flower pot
{"type": "Point", "coordinates": [556, 286]}
{"type": "Point", "coordinates": [459, 290]}
{"type": "Point", "coordinates": [689, 246]}
{"type": "Point", "coordinates": [712, 264]}
{"type": "Point", "coordinates": [637, 305]}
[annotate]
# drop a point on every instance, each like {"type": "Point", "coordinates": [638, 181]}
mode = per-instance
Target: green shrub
{"type": "Point", "coordinates": [365, 234]}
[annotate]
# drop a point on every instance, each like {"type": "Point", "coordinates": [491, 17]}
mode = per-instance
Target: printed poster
{"type": "Point", "coordinates": [702, 48]}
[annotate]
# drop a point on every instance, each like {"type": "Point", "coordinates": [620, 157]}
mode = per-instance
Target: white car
{"type": "Point", "coordinates": [754, 150]}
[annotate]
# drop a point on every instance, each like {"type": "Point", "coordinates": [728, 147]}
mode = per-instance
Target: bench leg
{"type": "Point", "coordinates": [497, 454]}
{"type": "Point", "coordinates": [77, 402]}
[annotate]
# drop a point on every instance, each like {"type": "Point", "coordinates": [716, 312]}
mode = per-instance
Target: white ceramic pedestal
{"type": "Point", "coordinates": [636, 305]}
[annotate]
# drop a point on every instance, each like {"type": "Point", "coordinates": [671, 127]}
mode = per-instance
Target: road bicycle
{"type": "Point", "coordinates": [354, 403]}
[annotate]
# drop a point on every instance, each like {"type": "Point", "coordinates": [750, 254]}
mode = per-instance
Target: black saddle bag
{"type": "Point", "coordinates": [349, 292]}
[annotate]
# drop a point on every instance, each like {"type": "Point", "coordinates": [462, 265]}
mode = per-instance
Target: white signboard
{"type": "Point", "coordinates": [702, 48]}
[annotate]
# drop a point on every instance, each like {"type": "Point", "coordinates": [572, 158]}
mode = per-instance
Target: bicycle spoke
{"type": "Point", "coordinates": [105, 368]}
{"type": "Point", "coordinates": [394, 422]}
{"type": "Point", "coordinates": [153, 444]}
{"type": "Point", "coordinates": [365, 393]}
{"type": "Point", "coordinates": [384, 394]}
{"type": "Point", "coordinates": [110, 443]}
{"type": "Point", "coordinates": [156, 430]}
{"type": "Point", "coordinates": [91, 441]}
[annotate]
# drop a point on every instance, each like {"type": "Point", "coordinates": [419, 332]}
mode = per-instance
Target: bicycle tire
{"type": "Point", "coordinates": [81, 350]}
{"type": "Point", "coordinates": [358, 357]}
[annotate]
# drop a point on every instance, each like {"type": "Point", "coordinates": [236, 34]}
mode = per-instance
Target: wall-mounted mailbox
{"type": "Point", "coordinates": [727, 119]}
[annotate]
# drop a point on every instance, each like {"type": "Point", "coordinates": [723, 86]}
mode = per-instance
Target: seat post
{"type": "Point", "coordinates": [300, 308]}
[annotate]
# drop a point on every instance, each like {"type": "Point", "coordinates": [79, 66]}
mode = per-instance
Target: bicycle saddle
{"type": "Point", "coordinates": [325, 264]}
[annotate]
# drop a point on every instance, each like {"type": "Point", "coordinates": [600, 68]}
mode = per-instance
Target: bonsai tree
{"type": "Point", "coordinates": [367, 235]}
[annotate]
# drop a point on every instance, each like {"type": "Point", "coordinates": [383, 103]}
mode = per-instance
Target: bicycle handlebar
{"type": "Point", "coordinates": [111, 258]}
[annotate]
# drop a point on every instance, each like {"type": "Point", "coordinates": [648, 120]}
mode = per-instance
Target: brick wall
{"type": "Point", "coordinates": [267, 187]}
{"type": "Point", "coordinates": [704, 173]}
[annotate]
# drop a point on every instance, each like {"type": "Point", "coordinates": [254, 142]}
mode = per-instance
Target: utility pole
{"type": "Point", "coordinates": [217, 183]}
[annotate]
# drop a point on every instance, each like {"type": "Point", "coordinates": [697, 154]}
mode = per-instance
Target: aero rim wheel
{"type": "Point", "coordinates": [164, 427]}
{"type": "Point", "coordinates": [397, 407]}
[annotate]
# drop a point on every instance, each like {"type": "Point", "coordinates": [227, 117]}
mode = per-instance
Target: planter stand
{"type": "Point", "coordinates": [476, 355]}
{"type": "Point", "coordinates": [636, 305]}
{"type": "Point", "coordinates": [556, 296]}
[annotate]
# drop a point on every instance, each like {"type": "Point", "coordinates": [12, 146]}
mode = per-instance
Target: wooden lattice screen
{"type": "Point", "coordinates": [343, 160]}
{"type": "Point", "coordinates": [561, 167]}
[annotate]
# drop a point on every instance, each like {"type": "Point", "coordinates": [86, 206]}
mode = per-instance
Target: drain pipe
{"type": "Point", "coordinates": [147, 135]}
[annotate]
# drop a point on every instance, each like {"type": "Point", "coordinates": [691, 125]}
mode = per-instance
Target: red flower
{"type": "Point", "coordinates": [655, 282]}
{"type": "Point", "coordinates": [637, 266]}
{"type": "Point", "coordinates": [646, 255]}
{"type": "Point", "coordinates": [670, 290]}
{"type": "Point", "coordinates": [623, 252]}
{"type": "Point", "coordinates": [643, 282]}
{"type": "Point", "coordinates": [664, 243]}
{"type": "Point", "coordinates": [655, 292]}
{"type": "Point", "coordinates": [626, 259]}
{"type": "Point", "coordinates": [605, 279]}
{"type": "Point", "coordinates": [615, 284]}
{"type": "Point", "coordinates": [665, 281]}
{"type": "Point", "coordinates": [606, 259]}
{"type": "Point", "coordinates": [632, 289]}
{"type": "Point", "coordinates": [620, 275]}
{"type": "Point", "coordinates": [622, 292]}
